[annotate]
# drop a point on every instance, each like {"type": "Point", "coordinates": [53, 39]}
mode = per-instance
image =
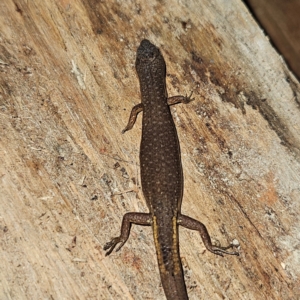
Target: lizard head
{"type": "Point", "coordinates": [147, 55]}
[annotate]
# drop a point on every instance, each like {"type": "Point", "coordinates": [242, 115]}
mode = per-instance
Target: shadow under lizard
{"type": "Point", "coordinates": [161, 174]}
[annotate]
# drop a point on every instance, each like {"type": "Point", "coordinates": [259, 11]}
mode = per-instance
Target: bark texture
{"type": "Point", "coordinates": [67, 174]}
{"type": "Point", "coordinates": [280, 20]}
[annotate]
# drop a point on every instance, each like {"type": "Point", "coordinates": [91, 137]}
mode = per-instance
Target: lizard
{"type": "Point", "coordinates": [161, 174]}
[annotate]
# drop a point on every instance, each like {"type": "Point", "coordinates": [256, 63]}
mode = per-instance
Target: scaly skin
{"type": "Point", "coordinates": [161, 174]}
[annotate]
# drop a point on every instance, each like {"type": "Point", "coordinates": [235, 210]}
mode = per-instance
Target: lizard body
{"type": "Point", "coordinates": [161, 174]}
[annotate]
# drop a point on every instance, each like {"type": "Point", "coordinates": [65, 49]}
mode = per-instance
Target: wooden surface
{"type": "Point", "coordinates": [280, 20]}
{"type": "Point", "coordinates": [68, 175]}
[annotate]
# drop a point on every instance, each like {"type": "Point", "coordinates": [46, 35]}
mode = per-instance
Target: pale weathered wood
{"type": "Point", "coordinates": [68, 174]}
{"type": "Point", "coordinates": [280, 20]}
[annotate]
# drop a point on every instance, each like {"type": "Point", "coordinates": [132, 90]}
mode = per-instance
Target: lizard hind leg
{"type": "Point", "coordinates": [193, 224]}
{"type": "Point", "coordinates": [128, 219]}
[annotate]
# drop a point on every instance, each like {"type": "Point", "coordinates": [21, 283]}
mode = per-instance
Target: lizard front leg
{"type": "Point", "coordinates": [134, 112]}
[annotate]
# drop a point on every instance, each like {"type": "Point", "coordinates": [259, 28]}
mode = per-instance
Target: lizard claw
{"type": "Point", "coordinates": [110, 246]}
{"type": "Point", "coordinates": [188, 99]}
{"type": "Point", "coordinates": [221, 250]}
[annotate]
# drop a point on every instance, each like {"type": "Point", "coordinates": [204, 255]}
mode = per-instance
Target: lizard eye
{"type": "Point", "coordinates": [151, 55]}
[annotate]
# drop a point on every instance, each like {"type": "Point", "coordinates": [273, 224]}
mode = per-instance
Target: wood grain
{"type": "Point", "coordinates": [67, 174]}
